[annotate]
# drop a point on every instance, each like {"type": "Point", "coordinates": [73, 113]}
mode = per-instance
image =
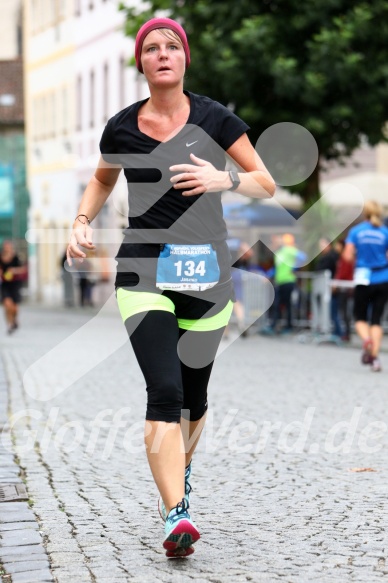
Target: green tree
{"type": "Point", "coordinates": [322, 64]}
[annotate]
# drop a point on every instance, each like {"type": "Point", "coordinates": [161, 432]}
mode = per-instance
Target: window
{"type": "Point", "coordinates": [79, 104]}
{"type": "Point", "coordinates": [65, 111]}
{"type": "Point", "coordinates": [38, 11]}
{"type": "Point", "coordinates": [92, 99]}
{"type": "Point", "coordinates": [38, 119]}
{"type": "Point", "coordinates": [19, 34]}
{"type": "Point", "coordinates": [48, 13]}
{"type": "Point", "coordinates": [52, 13]}
{"type": "Point", "coordinates": [105, 93]}
{"type": "Point", "coordinates": [44, 118]}
{"type": "Point", "coordinates": [34, 120]}
{"type": "Point", "coordinates": [34, 15]}
{"type": "Point", "coordinates": [61, 9]}
{"type": "Point", "coordinates": [53, 116]}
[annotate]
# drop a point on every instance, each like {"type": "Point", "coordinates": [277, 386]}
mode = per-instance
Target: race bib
{"type": "Point", "coordinates": [362, 276]}
{"type": "Point", "coordinates": [187, 267]}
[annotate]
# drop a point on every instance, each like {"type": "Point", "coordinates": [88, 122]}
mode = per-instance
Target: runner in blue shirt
{"type": "Point", "coordinates": [368, 243]}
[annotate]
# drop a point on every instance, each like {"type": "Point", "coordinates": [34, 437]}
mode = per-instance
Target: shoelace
{"type": "Point", "coordinates": [188, 487]}
{"type": "Point", "coordinates": [181, 508]}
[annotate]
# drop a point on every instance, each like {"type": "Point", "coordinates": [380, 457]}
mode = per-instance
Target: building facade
{"type": "Point", "coordinates": [76, 77]}
{"type": "Point", "coordinates": [13, 190]}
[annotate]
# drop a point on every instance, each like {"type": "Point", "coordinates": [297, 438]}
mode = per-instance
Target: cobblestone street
{"type": "Point", "coordinates": [275, 492]}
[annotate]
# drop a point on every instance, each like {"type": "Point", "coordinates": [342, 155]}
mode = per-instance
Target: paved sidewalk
{"type": "Point", "coordinates": [22, 555]}
{"type": "Point", "coordinates": [276, 495]}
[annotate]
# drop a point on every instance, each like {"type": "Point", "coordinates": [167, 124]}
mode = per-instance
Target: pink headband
{"type": "Point", "coordinates": [153, 24]}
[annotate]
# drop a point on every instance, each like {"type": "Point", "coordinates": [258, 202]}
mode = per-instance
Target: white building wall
{"type": "Point", "coordinates": [102, 54]}
{"type": "Point", "coordinates": [48, 66]}
{"type": "Point", "coordinates": [63, 136]}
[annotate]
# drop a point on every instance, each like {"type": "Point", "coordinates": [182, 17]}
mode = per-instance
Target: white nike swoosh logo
{"type": "Point", "coordinates": [191, 144]}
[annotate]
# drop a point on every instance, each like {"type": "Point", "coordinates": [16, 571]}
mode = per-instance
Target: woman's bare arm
{"type": "Point", "coordinates": [244, 155]}
{"type": "Point", "coordinates": [96, 194]}
{"type": "Point", "coordinates": [349, 252]}
{"type": "Point", "coordinates": [202, 176]}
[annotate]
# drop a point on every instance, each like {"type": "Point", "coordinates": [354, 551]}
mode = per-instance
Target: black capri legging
{"type": "Point", "coordinates": [369, 302]}
{"type": "Point", "coordinates": [172, 386]}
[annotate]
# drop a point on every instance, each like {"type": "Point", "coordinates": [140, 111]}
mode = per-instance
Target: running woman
{"type": "Point", "coordinates": [368, 244]}
{"type": "Point", "coordinates": [173, 282]}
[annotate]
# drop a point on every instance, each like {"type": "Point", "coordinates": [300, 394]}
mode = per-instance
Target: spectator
{"type": "Point", "coordinates": [86, 283]}
{"type": "Point", "coordinates": [287, 260]}
{"type": "Point", "coordinates": [11, 272]}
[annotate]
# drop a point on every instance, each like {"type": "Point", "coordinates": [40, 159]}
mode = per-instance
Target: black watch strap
{"type": "Point", "coordinates": [235, 179]}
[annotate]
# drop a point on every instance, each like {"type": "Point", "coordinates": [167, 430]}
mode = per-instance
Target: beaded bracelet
{"type": "Point", "coordinates": [83, 222]}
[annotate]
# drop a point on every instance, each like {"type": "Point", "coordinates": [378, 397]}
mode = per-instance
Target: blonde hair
{"type": "Point", "coordinates": [373, 212]}
{"type": "Point", "coordinates": [170, 34]}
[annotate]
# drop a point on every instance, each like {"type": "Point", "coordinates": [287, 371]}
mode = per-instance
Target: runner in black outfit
{"type": "Point", "coordinates": [173, 281]}
{"type": "Point", "coordinates": [11, 271]}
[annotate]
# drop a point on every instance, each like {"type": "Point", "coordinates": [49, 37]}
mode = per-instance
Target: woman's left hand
{"type": "Point", "coordinates": [199, 177]}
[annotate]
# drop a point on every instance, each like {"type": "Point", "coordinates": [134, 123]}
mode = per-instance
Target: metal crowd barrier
{"type": "Point", "coordinates": [310, 301]}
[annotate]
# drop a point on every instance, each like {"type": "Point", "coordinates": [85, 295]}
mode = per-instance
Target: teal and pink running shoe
{"type": "Point", "coordinates": [181, 532]}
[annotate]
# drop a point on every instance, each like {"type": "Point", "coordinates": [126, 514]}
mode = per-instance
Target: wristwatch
{"type": "Point", "coordinates": [235, 179]}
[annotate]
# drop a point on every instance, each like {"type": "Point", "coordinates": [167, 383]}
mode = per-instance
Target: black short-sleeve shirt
{"type": "Point", "coordinates": [10, 289]}
{"type": "Point", "coordinates": [14, 262]}
{"type": "Point", "coordinates": [158, 213]}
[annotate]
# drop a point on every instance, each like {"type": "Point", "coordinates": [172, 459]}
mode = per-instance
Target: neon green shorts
{"type": "Point", "coordinates": [133, 302]}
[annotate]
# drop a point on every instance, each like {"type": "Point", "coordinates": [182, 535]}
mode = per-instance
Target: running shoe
{"type": "Point", "coordinates": [188, 488]}
{"type": "Point", "coordinates": [366, 356]}
{"type": "Point", "coordinates": [375, 365]}
{"type": "Point", "coordinates": [181, 532]}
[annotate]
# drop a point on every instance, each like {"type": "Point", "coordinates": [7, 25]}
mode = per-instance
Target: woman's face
{"type": "Point", "coordinates": [163, 59]}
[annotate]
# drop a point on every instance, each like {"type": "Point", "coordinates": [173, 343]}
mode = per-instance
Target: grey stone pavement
{"type": "Point", "coordinates": [276, 495]}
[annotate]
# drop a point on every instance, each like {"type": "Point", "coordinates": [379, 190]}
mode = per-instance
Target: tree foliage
{"type": "Point", "coordinates": [319, 63]}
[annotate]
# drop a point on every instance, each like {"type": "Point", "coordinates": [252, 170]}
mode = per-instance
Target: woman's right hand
{"type": "Point", "coordinates": [81, 235]}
